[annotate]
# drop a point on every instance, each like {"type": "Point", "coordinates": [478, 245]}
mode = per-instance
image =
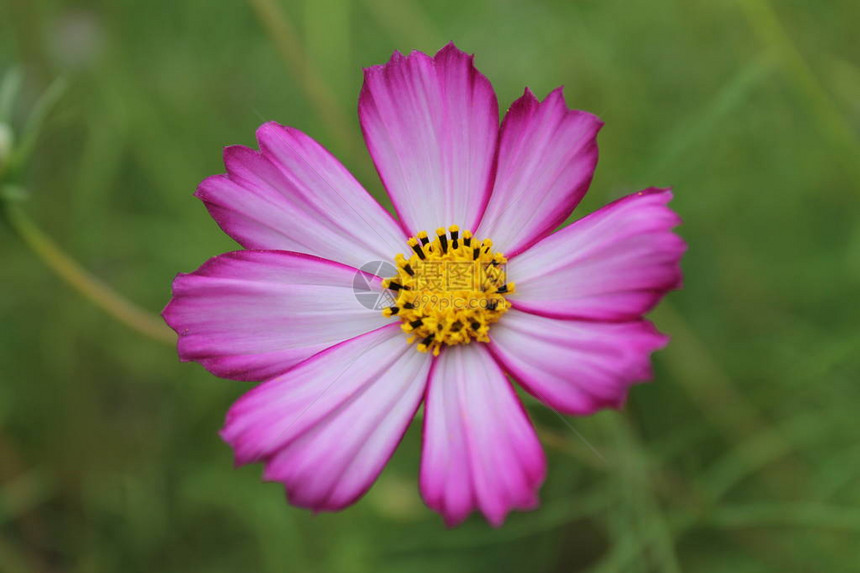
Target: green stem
{"type": "Point", "coordinates": [766, 23]}
{"type": "Point", "coordinates": [85, 283]}
{"type": "Point", "coordinates": [319, 95]}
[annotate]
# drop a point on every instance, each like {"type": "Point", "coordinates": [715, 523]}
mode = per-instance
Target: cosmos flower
{"type": "Point", "coordinates": [480, 288]}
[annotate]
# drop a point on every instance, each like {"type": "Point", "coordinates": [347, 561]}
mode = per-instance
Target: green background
{"type": "Point", "coordinates": [741, 456]}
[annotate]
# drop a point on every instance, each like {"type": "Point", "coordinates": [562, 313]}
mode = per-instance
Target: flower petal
{"type": "Point", "coordinates": [480, 450]}
{"type": "Point", "coordinates": [293, 195]}
{"type": "Point", "coordinates": [613, 265]}
{"type": "Point", "coordinates": [575, 367]}
{"type": "Point", "coordinates": [326, 428]}
{"type": "Point", "coordinates": [431, 126]}
{"type": "Point", "coordinates": [546, 159]}
{"type": "Point", "coordinates": [251, 315]}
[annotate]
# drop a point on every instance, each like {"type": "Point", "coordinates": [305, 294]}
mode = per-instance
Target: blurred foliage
{"type": "Point", "coordinates": [742, 456]}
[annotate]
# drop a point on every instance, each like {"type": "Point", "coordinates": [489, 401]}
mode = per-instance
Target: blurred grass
{"type": "Point", "coordinates": [741, 456]}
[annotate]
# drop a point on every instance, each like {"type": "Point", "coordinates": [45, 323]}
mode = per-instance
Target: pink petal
{"type": "Point", "coordinates": [326, 428]}
{"type": "Point", "coordinates": [251, 315]}
{"type": "Point", "coordinates": [431, 126]}
{"type": "Point", "coordinates": [480, 450]}
{"type": "Point", "coordinates": [612, 265]}
{"type": "Point", "coordinates": [293, 195]}
{"type": "Point", "coordinates": [574, 366]}
{"type": "Point", "coordinates": [547, 155]}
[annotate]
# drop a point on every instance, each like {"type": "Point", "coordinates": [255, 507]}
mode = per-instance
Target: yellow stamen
{"type": "Point", "coordinates": [450, 290]}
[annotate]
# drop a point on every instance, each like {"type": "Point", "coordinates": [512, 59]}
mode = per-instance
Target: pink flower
{"type": "Point", "coordinates": [561, 312]}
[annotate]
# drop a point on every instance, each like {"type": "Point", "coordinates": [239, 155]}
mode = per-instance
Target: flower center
{"type": "Point", "coordinates": [450, 290]}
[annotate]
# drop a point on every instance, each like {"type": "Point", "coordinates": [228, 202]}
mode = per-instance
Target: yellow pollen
{"type": "Point", "coordinates": [449, 290]}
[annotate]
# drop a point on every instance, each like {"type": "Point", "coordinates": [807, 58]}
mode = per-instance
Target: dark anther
{"type": "Point", "coordinates": [502, 289]}
{"type": "Point", "coordinates": [419, 251]}
{"type": "Point", "coordinates": [427, 340]}
{"type": "Point", "coordinates": [457, 326]}
{"type": "Point", "coordinates": [393, 310]}
{"type": "Point", "coordinates": [396, 286]}
{"type": "Point", "coordinates": [416, 323]}
{"type": "Point", "coordinates": [443, 240]}
{"type": "Point", "coordinates": [408, 268]}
